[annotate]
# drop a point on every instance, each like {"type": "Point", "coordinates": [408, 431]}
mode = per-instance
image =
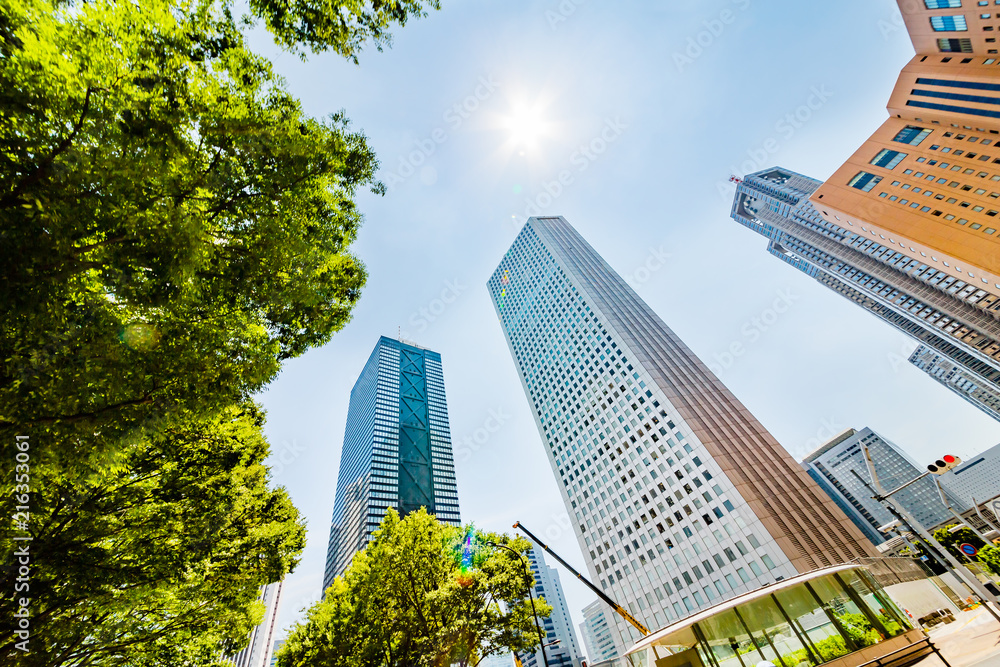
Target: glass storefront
{"type": "Point", "coordinates": [805, 622]}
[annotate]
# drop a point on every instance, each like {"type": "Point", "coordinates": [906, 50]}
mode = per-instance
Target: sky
{"type": "Point", "coordinates": [626, 118]}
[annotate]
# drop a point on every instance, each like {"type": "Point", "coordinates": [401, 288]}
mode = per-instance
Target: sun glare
{"type": "Point", "coordinates": [526, 125]}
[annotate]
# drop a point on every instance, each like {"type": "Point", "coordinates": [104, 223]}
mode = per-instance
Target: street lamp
{"type": "Point", "coordinates": [541, 638]}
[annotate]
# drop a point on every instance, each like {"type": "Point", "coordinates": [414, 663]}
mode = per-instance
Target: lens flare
{"type": "Point", "coordinates": [140, 336]}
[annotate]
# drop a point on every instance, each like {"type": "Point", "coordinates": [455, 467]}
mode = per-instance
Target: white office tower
{"type": "Point", "coordinates": [274, 652]}
{"type": "Point", "coordinates": [977, 478]}
{"type": "Point", "coordinates": [597, 633]}
{"type": "Point", "coordinates": [258, 651]}
{"type": "Point", "coordinates": [505, 660]}
{"type": "Point", "coordinates": [680, 496]}
{"type": "Point", "coordinates": [558, 627]}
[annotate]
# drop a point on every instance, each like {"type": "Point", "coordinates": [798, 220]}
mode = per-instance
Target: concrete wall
{"type": "Point", "coordinates": [920, 597]}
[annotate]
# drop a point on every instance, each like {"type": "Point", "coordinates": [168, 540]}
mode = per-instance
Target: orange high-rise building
{"type": "Point", "coordinates": [927, 182]}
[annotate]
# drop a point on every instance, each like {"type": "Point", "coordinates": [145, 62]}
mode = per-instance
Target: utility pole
{"type": "Point", "coordinates": [967, 524]}
{"type": "Point", "coordinates": [929, 547]}
{"type": "Point", "coordinates": [974, 584]}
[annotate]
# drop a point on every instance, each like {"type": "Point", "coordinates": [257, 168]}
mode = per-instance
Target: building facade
{"type": "Point", "coordinates": [397, 449]}
{"type": "Point", "coordinates": [258, 652]}
{"type": "Point", "coordinates": [598, 633]}
{"type": "Point", "coordinates": [977, 480]}
{"type": "Point", "coordinates": [679, 495]}
{"type": "Point", "coordinates": [278, 643]}
{"type": "Point", "coordinates": [927, 182]}
{"type": "Point", "coordinates": [557, 627]}
{"type": "Point", "coordinates": [939, 311]}
{"type": "Point", "coordinates": [839, 467]}
{"type": "Point", "coordinates": [959, 380]}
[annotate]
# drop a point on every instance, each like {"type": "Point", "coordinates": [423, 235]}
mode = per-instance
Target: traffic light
{"type": "Point", "coordinates": [944, 464]}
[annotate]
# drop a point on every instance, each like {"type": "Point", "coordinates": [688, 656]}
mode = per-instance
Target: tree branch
{"type": "Point", "coordinates": [11, 199]}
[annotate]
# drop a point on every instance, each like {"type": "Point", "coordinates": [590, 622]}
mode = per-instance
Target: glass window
{"type": "Point", "coordinates": [810, 624]}
{"type": "Point", "coordinates": [942, 4]}
{"type": "Point", "coordinates": [887, 158]}
{"type": "Point", "coordinates": [954, 23]}
{"type": "Point", "coordinates": [912, 135]}
{"type": "Point", "coordinates": [864, 181]}
{"type": "Point", "coordinates": [728, 638]}
{"type": "Point", "coordinates": [955, 45]}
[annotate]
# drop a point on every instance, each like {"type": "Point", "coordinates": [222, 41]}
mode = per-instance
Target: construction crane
{"type": "Point", "coordinates": [614, 605]}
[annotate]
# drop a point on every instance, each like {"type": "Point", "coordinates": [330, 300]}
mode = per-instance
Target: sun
{"type": "Point", "coordinates": [526, 125]}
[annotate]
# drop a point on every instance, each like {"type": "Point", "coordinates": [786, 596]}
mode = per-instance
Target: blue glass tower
{"type": "Point", "coordinates": [397, 449]}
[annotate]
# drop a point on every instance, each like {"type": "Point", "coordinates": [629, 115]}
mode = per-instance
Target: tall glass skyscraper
{"type": "Point", "coordinates": [597, 634]}
{"type": "Point", "coordinates": [941, 312]}
{"type": "Point", "coordinates": [680, 497]}
{"type": "Point", "coordinates": [558, 626]}
{"type": "Point", "coordinates": [835, 463]}
{"type": "Point", "coordinates": [397, 449]}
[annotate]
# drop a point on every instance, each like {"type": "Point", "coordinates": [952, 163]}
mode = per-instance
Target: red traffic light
{"type": "Point", "coordinates": [944, 464]}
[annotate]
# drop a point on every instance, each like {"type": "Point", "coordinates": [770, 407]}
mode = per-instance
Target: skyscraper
{"type": "Point", "coordinates": [558, 627]}
{"type": "Point", "coordinates": [258, 652]}
{"type": "Point", "coordinates": [397, 449]}
{"type": "Point", "coordinates": [598, 633]}
{"type": "Point", "coordinates": [967, 385]}
{"type": "Point", "coordinates": [679, 495]}
{"type": "Point", "coordinates": [977, 479]}
{"type": "Point", "coordinates": [924, 302]}
{"type": "Point", "coordinates": [835, 463]}
{"type": "Point", "coordinates": [927, 182]}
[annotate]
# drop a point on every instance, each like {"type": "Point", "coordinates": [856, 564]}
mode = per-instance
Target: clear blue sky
{"type": "Point", "coordinates": [644, 109]}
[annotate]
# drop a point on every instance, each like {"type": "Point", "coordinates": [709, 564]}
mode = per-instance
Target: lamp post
{"type": "Point", "coordinates": [541, 638]}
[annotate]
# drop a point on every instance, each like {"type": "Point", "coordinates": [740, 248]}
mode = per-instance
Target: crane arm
{"type": "Point", "coordinates": [611, 603]}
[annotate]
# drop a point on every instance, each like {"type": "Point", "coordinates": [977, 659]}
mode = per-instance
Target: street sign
{"type": "Point", "coordinates": [968, 549]}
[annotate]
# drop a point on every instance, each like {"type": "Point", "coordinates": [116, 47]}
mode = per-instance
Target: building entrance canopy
{"type": "Point", "coordinates": [807, 620]}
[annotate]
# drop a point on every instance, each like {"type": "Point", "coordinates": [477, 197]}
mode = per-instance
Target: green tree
{"type": "Point", "coordinates": [158, 558]}
{"type": "Point", "coordinates": [990, 555]}
{"type": "Point", "coordinates": [339, 25]}
{"type": "Point", "coordinates": [172, 226]}
{"type": "Point", "coordinates": [422, 594]}
{"type": "Point", "coordinates": [951, 540]}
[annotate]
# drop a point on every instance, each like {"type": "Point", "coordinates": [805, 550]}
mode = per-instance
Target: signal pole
{"type": "Point", "coordinates": [943, 466]}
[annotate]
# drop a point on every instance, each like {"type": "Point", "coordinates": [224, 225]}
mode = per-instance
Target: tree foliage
{"type": "Point", "coordinates": [172, 228]}
{"type": "Point", "coordinates": [408, 600]}
{"type": "Point", "coordinates": [951, 540]}
{"type": "Point", "coordinates": [172, 225]}
{"type": "Point", "coordinates": [990, 555]}
{"type": "Point", "coordinates": [157, 558]}
{"type": "Point", "coordinates": [339, 25]}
